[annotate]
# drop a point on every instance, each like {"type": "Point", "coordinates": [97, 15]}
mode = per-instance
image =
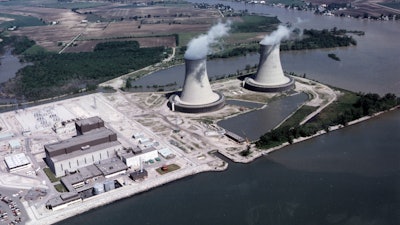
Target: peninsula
{"type": "Point", "coordinates": [99, 141]}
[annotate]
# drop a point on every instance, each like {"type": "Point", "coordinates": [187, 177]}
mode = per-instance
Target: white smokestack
{"type": "Point", "coordinates": [200, 47]}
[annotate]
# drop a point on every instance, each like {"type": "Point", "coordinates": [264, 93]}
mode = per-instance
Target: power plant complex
{"type": "Point", "coordinates": [197, 95]}
{"type": "Point", "coordinates": [269, 76]}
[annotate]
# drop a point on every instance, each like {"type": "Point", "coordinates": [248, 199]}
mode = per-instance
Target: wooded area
{"type": "Point", "coordinates": [349, 107]}
{"type": "Point", "coordinates": [55, 74]}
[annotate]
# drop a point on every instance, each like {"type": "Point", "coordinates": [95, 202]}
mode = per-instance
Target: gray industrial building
{"type": "Point", "coordinates": [95, 144]}
{"type": "Point", "coordinates": [86, 125]}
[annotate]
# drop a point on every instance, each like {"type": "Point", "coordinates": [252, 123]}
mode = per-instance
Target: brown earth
{"type": "Point", "coordinates": [371, 7]}
{"type": "Point", "coordinates": [162, 21]}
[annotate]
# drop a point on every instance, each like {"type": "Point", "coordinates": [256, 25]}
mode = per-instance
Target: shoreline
{"type": "Point", "coordinates": [257, 153]}
{"type": "Point", "coordinates": [41, 215]}
{"type": "Point", "coordinates": [37, 217]}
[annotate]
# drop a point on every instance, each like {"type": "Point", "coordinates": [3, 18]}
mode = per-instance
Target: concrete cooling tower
{"type": "Point", "coordinates": [196, 95]}
{"type": "Point", "coordinates": [269, 77]}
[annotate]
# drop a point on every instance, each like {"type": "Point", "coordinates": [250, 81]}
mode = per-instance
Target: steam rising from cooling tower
{"type": "Point", "coordinates": [270, 76]}
{"type": "Point", "coordinates": [201, 46]}
{"type": "Point", "coordinates": [197, 95]}
{"type": "Point", "coordinates": [276, 36]}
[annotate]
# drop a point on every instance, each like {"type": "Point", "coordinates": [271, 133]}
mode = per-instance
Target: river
{"type": "Point", "coordinates": [350, 176]}
{"type": "Point", "coordinates": [371, 66]}
{"type": "Point", "coordinates": [9, 65]}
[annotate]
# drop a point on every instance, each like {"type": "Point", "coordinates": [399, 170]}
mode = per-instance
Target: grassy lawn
{"type": "Point", "coordinates": [184, 38]}
{"type": "Point", "coordinates": [237, 37]}
{"type": "Point", "coordinates": [299, 115]}
{"type": "Point", "coordinates": [51, 175]}
{"type": "Point", "coordinates": [60, 188]}
{"type": "Point", "coordinates": [171, 168]}
{"type": "Point", "coordinates": [331, 112]}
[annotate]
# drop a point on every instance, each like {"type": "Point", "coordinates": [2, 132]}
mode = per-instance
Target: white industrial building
{"type": "Point", "coordinates": [14, 145]}
{"type": "Point", "coordinates": [133, 159]}
{"type": "Point", "coordinates": [17, 162]}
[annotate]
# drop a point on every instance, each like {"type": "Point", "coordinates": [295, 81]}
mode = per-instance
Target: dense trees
{"type": "Point", "coordinates": [19, 44]}
{"type": "Point", "coordinates": [319, 39]}
{"type": "Point", "coordinates": [55, 74]}
{"type": "Point", "coordinates": [363, 105]}
{"type": "Point", "coordinates": [254, 23]}
{"type": "Point", "coordinates": [311, 39]}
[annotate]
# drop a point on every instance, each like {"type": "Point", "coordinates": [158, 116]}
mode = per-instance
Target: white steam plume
{"type": "Point", "coordinates": [283, 33]}
{"type": "Point", "coordinates": [201, 46]}
{"type": "Point", "coordinates": [276, 36]}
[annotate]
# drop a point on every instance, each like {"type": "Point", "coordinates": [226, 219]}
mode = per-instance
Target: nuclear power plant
{"type": "Point", "coordinates": [269, 76]}
{"type": "Point", "coordinates": [197, 95]}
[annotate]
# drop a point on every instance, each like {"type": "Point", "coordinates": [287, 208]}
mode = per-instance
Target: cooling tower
{"type": "Point", "coordinates": [196, 95]}
{"type": "Point", "coordinates": [269, 76]}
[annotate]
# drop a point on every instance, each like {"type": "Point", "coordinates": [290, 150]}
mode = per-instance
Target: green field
{"type": "Point", "coordinates": [184, 38]}
{"type": "Point", "coordinates": [254, 23]}
{"type": "Point", "coordinates": [20, 21]}
{"type": "Point", "coordinates": [299, 115]}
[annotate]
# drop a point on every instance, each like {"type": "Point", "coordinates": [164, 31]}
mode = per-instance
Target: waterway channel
{"type": "Point", "coordinates": [350, 176]}
{"type": "Point", "coordinates": [266, 118]}
{"type": "Point", "coordinates": [9, 65]}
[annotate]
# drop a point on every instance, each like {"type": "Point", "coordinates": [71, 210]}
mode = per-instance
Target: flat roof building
{"type": "Point", "coordinates": [17, 162]}
{"type": "Point", "coordinates": [111, 167]}
{"type": "Point", "coordinates": [80, 151]}
{"type": "Point", "coordinates": [14, 144]}
{"type": "Point", "coordinates": [86, 125]}
{"type": "Point", "coordinates": [133, 159]}
{"type": "Point", "coordinates": [63, 201]}
{"type": "Point", "coordinates": [138, 175]}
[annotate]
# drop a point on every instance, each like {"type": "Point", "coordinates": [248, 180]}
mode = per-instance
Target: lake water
{"type": "Point", "coordinates": [350, 176]}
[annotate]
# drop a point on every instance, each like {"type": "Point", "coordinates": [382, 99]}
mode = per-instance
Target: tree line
{"type": "Point", "coordinates": [364, 105]}
{"type": "Point", "coordinates": [314, 39]}
{"type": "Point", "coordinates": [53, 74]}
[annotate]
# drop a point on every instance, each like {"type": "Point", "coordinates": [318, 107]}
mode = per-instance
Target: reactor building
{"type": "Point", "coordinates": [269, 76]}
{"type": "Point", "coordinates": [93, 143]}
{"type": "Point", "coordinates": [196, 95]}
